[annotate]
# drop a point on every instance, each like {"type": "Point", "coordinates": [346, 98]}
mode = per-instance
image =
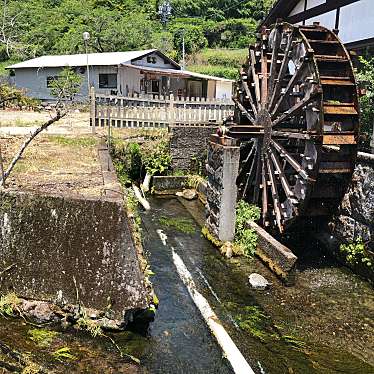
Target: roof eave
{"type": "Point", "coordinates": [280, 9]}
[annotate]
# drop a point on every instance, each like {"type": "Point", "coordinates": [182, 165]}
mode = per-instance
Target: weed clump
{"type": "Point", "coordinates": [63, 354]}
{"type": "Point", "coordinates": [9, 304]}
{"type": "Point", "coordinates": [43, 338]}
{"type": "Point", "coordinates": [356, 253]}
{"type": "Point", "coordinates": [184, 225]}
{"type": "Point", "coordinates": [246, 237]}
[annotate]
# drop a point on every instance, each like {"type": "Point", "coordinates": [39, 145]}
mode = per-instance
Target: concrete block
{"type": "Point", "coordinates": [278, 257]}
{"type": "Point", "coordinates": [54, 242]}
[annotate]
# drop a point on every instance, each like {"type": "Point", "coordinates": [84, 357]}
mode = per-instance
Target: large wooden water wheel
{"type": "Point", "coordinates": [297, 117]}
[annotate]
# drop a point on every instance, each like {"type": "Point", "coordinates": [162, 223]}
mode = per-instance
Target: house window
{"type": "Point", "coordinates": [107, 80]}
{"type": "Point", "coordinates": [151, 60]}
{"type": "Point", "coordinates": [50, 80]}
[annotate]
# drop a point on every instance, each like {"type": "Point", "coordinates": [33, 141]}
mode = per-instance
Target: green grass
{"type": "Point", "coordinates": [21, 123]}
{"type": "Point", "coordinates": [216, 71]}
{"type": "Point", "coordinates": [231, 58]}
{"type": "Point", "coordinates": [223, 63]}
{"type": "Point", "coordinates": [184, 225]}
{"type": "Point", "coordinates": [81, 142]}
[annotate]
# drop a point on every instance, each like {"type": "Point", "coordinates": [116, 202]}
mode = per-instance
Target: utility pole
{"type": "Point", "coordinates": [2, 168]}
{"type": "Point", "coordinates": [165, 11]}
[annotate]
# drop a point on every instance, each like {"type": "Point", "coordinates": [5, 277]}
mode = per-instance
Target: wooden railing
{"type": "Point", "coordinates": [157, 111]}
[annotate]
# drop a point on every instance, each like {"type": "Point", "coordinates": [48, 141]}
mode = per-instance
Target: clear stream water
{"type": "Point", "coordinates": [324, 324]}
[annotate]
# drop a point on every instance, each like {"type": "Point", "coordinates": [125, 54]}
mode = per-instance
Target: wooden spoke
{"type": "Point", "coordinates": [274, 61]}
{"type": "Point", "coordinates": [245, 161]}
{"type": "Point", "coordinates": [250, 176]}
{"type": "Point", "coordinates": [256, 192]}
{"type": "Point", "coordinates": [251, 152]}
{"type": "Point", "coordinates": [291, 134]}
{"type": "Point", "coordinates": [282, 72]}
{"type": "Point", "coordinates": [250, 98]}
{"type": "Point", "coordinates": [244, 111]}
{"type": "Point", "coordinates": [255, 76]}
{"type": "Point", "coordinates": [264, 197]}
{"type": "Point", "coordinates": [284, 154]}
{"type": "Point", "coordinates": [264, 79]}
{"type": "Point", "coordinates": [274, 191]}
{"type": "Point", "coordinates": [288, 89]}
{"type": "Point", "coordinates": [285, 184]}
{"type": "Point", "coordinates": [295, 109]}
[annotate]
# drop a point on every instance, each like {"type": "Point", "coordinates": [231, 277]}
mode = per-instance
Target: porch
{"type": "Point", "coordinates": [140, 80]}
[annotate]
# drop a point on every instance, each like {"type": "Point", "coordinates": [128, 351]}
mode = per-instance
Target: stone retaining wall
{"type": "Point", "coordinates": [188, 146]}
{"type": "Point", "coordinates": [72, 250]}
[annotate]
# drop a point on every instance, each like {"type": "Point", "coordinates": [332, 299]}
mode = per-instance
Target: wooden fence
{"type": "Point", "coordinates": [150, 111]}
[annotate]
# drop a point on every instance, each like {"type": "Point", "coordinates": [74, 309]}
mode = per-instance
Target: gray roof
{"type": "Point", "coordinates": [94, 59]}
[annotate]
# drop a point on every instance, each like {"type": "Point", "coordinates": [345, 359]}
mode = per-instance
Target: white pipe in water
{"type": "Point", "coordinates": [237, 361]}
{"type": "Point", "coordinates": [140, 198]}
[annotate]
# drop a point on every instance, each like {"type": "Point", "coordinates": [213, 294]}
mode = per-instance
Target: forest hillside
{"type": "Point", "coordinates": [31, 28]}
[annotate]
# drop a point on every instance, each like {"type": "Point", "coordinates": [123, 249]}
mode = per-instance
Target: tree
{"type": "Point", "coordinates": [194, 38]}
{"type": "Point", "coordinates": [366, 79]}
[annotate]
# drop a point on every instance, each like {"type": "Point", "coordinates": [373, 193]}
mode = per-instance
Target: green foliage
{"type": "Point", "coordinates": [217, 71]}
{"type": "Point", "coordinates": [294, 342]}
{"type": "Point", "coordinates": [66, 85]}
{"type": "Point", "coordinates": [184, 225]}
{"type": "Point", "coordinates": [80, 142]}
{"type": "Point", "coordinates": [158, 159]}
{"type": "Point", "coordinates": [244, 236]}
{"type": "Point", "coordinates": [132, 160]}
{"type": "Point", "coordinates": [64, 354]}
{"type": "Point", "coordinates": [127, 160]}
{"type": "Point", "coordinates": [194, 37]}
{"type": "Point", "coordinates": [9, 304]}
{"type": "Point", "coordinates": [356, 253]}
{"type": "Point", "coordinates": [193, 181]}
{"type": "Point", "coordinates": [221, 57]}
{"type": "Point", "coordinates": [366, 79]}
{"type": "Point", "coordinates": [43, 27]}
{"type": "Point", "coordinates": [43, 338]}
{"type": "Point", "coordinates": [11, 96]}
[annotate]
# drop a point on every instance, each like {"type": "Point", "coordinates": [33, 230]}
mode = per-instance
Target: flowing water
{"type": "Point", "coordinates": [324, 324]}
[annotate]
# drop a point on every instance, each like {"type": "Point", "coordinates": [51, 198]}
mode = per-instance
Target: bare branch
{"type": "Point", "coordinates": [19, 154]}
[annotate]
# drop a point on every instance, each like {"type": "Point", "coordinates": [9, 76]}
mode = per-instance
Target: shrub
{"type": "Point", "coordinates": [245, 237]}
{"type": "Point", "coordinates": [356, 253]}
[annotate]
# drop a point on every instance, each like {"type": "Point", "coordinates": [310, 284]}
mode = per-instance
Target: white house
{"type": "Point", "coordinates": [119, 73]}
{"type": "Point", "coordinates": [353, 18]}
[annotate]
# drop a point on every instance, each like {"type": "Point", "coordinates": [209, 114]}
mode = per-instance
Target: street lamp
{"type": "Point", "coordinates": [86, 38]}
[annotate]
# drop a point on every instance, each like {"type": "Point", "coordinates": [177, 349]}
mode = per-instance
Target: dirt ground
{"type": "Point", "coordinates": [55, 164]}
{"type": "Point", "coordinates": [62, 159]}
{"type": "Point", "coordinates": [16, 118]}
